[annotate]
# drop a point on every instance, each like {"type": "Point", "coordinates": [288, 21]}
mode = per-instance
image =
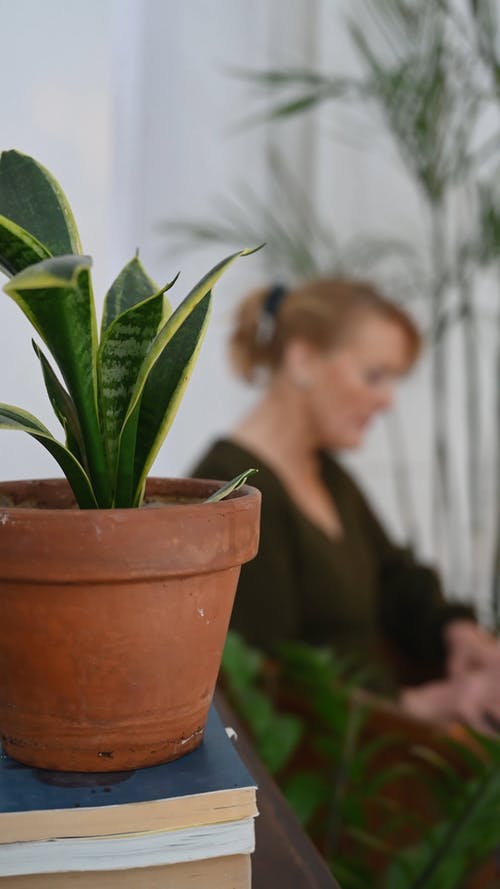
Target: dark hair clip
{"type": "Point", "coordinates": [267, 320]}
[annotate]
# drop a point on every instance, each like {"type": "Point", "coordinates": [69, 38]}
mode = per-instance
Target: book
{"type": "Point", "coordinates": [199, 807]}
{"type": "Point", "coordinates": [232, 871]}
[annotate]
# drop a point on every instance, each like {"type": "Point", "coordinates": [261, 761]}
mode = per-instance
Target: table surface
{"type": "Point", "coordinates": [284, 855]}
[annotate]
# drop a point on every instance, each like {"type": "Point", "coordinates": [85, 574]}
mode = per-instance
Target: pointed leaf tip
{"type": "Point", "coordinates": [249, 250]}
{"type": "Point", "coordinates": [171, 283]}
{"type": "Point", "coordinates": [231, 486]}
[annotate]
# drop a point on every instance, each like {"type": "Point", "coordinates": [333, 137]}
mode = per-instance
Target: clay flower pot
{"type": "Point", "coordinates": [113, 621]}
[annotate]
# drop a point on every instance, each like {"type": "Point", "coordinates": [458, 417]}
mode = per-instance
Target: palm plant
{"type": "Point", "coordinates": [119, 393]}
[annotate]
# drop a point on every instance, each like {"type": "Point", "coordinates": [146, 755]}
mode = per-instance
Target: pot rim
{"type": "Point", "coordinates": [234, 501]}
{"type": "Point", "coordinates": [75, 546]}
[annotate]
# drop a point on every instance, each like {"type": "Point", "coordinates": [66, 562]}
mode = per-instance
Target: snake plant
{"type": "Point", "coordinates": [116, 393]}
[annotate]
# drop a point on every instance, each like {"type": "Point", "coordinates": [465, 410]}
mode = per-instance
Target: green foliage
{"type": "Point", "coordinates": [116, 398]}
{"type": "Point", "coordinates": [308, 723]}
{"type": "Point", "coordinates": [276, 735]}
{"type": "Point", "coordinates": [466, 835]}
{"type": "Point", "coordinates": [306, 792]}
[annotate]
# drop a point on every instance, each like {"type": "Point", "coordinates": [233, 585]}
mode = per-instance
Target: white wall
{"type": "Point", "coordinates": [56, 89]}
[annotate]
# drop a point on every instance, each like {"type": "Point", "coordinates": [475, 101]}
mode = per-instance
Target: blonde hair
{"type": "Point", "coordinates": [321, 312]}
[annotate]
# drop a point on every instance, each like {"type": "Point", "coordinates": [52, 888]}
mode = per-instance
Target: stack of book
{"type": "Point", "coordinates": [187, 824]}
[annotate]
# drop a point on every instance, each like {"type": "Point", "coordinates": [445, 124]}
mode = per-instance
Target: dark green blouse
{"type": "Point", "coordinates": [361, 594]}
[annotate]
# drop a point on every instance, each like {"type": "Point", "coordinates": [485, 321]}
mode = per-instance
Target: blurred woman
{"type": "Point", "coordinates": [329, 353]}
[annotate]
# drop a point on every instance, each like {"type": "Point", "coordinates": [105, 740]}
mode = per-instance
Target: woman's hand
{"type": "Point", "coordinates": [477, 699]}
{"type": "Point", "coordinates": [470, 647]}
{"type": "Point", "coordinates": [433, 701]}
{"type": "Point", "coordinates": [471, 698]}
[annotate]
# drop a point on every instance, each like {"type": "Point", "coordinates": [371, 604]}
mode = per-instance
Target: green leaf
{"type": "Point", "coordinates": [277, 735]}
{"type": "Point", "coordinates": [242, 664]}
{"type": "Point", "coordinates": [21, 421]}
{"type": "Point", "coordinates": [231, 486]}
{"type": "Point", "coordinates": [127, 337]}
{"type": "Point", "coordinates": [122, 351]}
{"type": "Point", "coordinates": [63, 406]}
{"type": "Point", "coordinates": [31, 197]}
{"type": "Point", "coordinates": [305, 793]}
{"type": "Point", "coordinates": [145, 426]}
{"type": "Point", "coordinates": [18, 249]}
{"type": "Point", "coordinates": [280, 741]}
{"type": "Point", "coordinates": [132, 286]}
{"type": "Point", "coordinates": [182, 312]}
{"type": "Point", "coordinates": [56, 297]}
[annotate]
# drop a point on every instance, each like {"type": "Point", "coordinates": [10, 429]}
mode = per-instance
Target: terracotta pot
{"type": "Point", "coordinates": [112, 622]}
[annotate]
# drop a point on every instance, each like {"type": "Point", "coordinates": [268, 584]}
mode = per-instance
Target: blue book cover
{"type": "Point", "coordinates": [208, 785]}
